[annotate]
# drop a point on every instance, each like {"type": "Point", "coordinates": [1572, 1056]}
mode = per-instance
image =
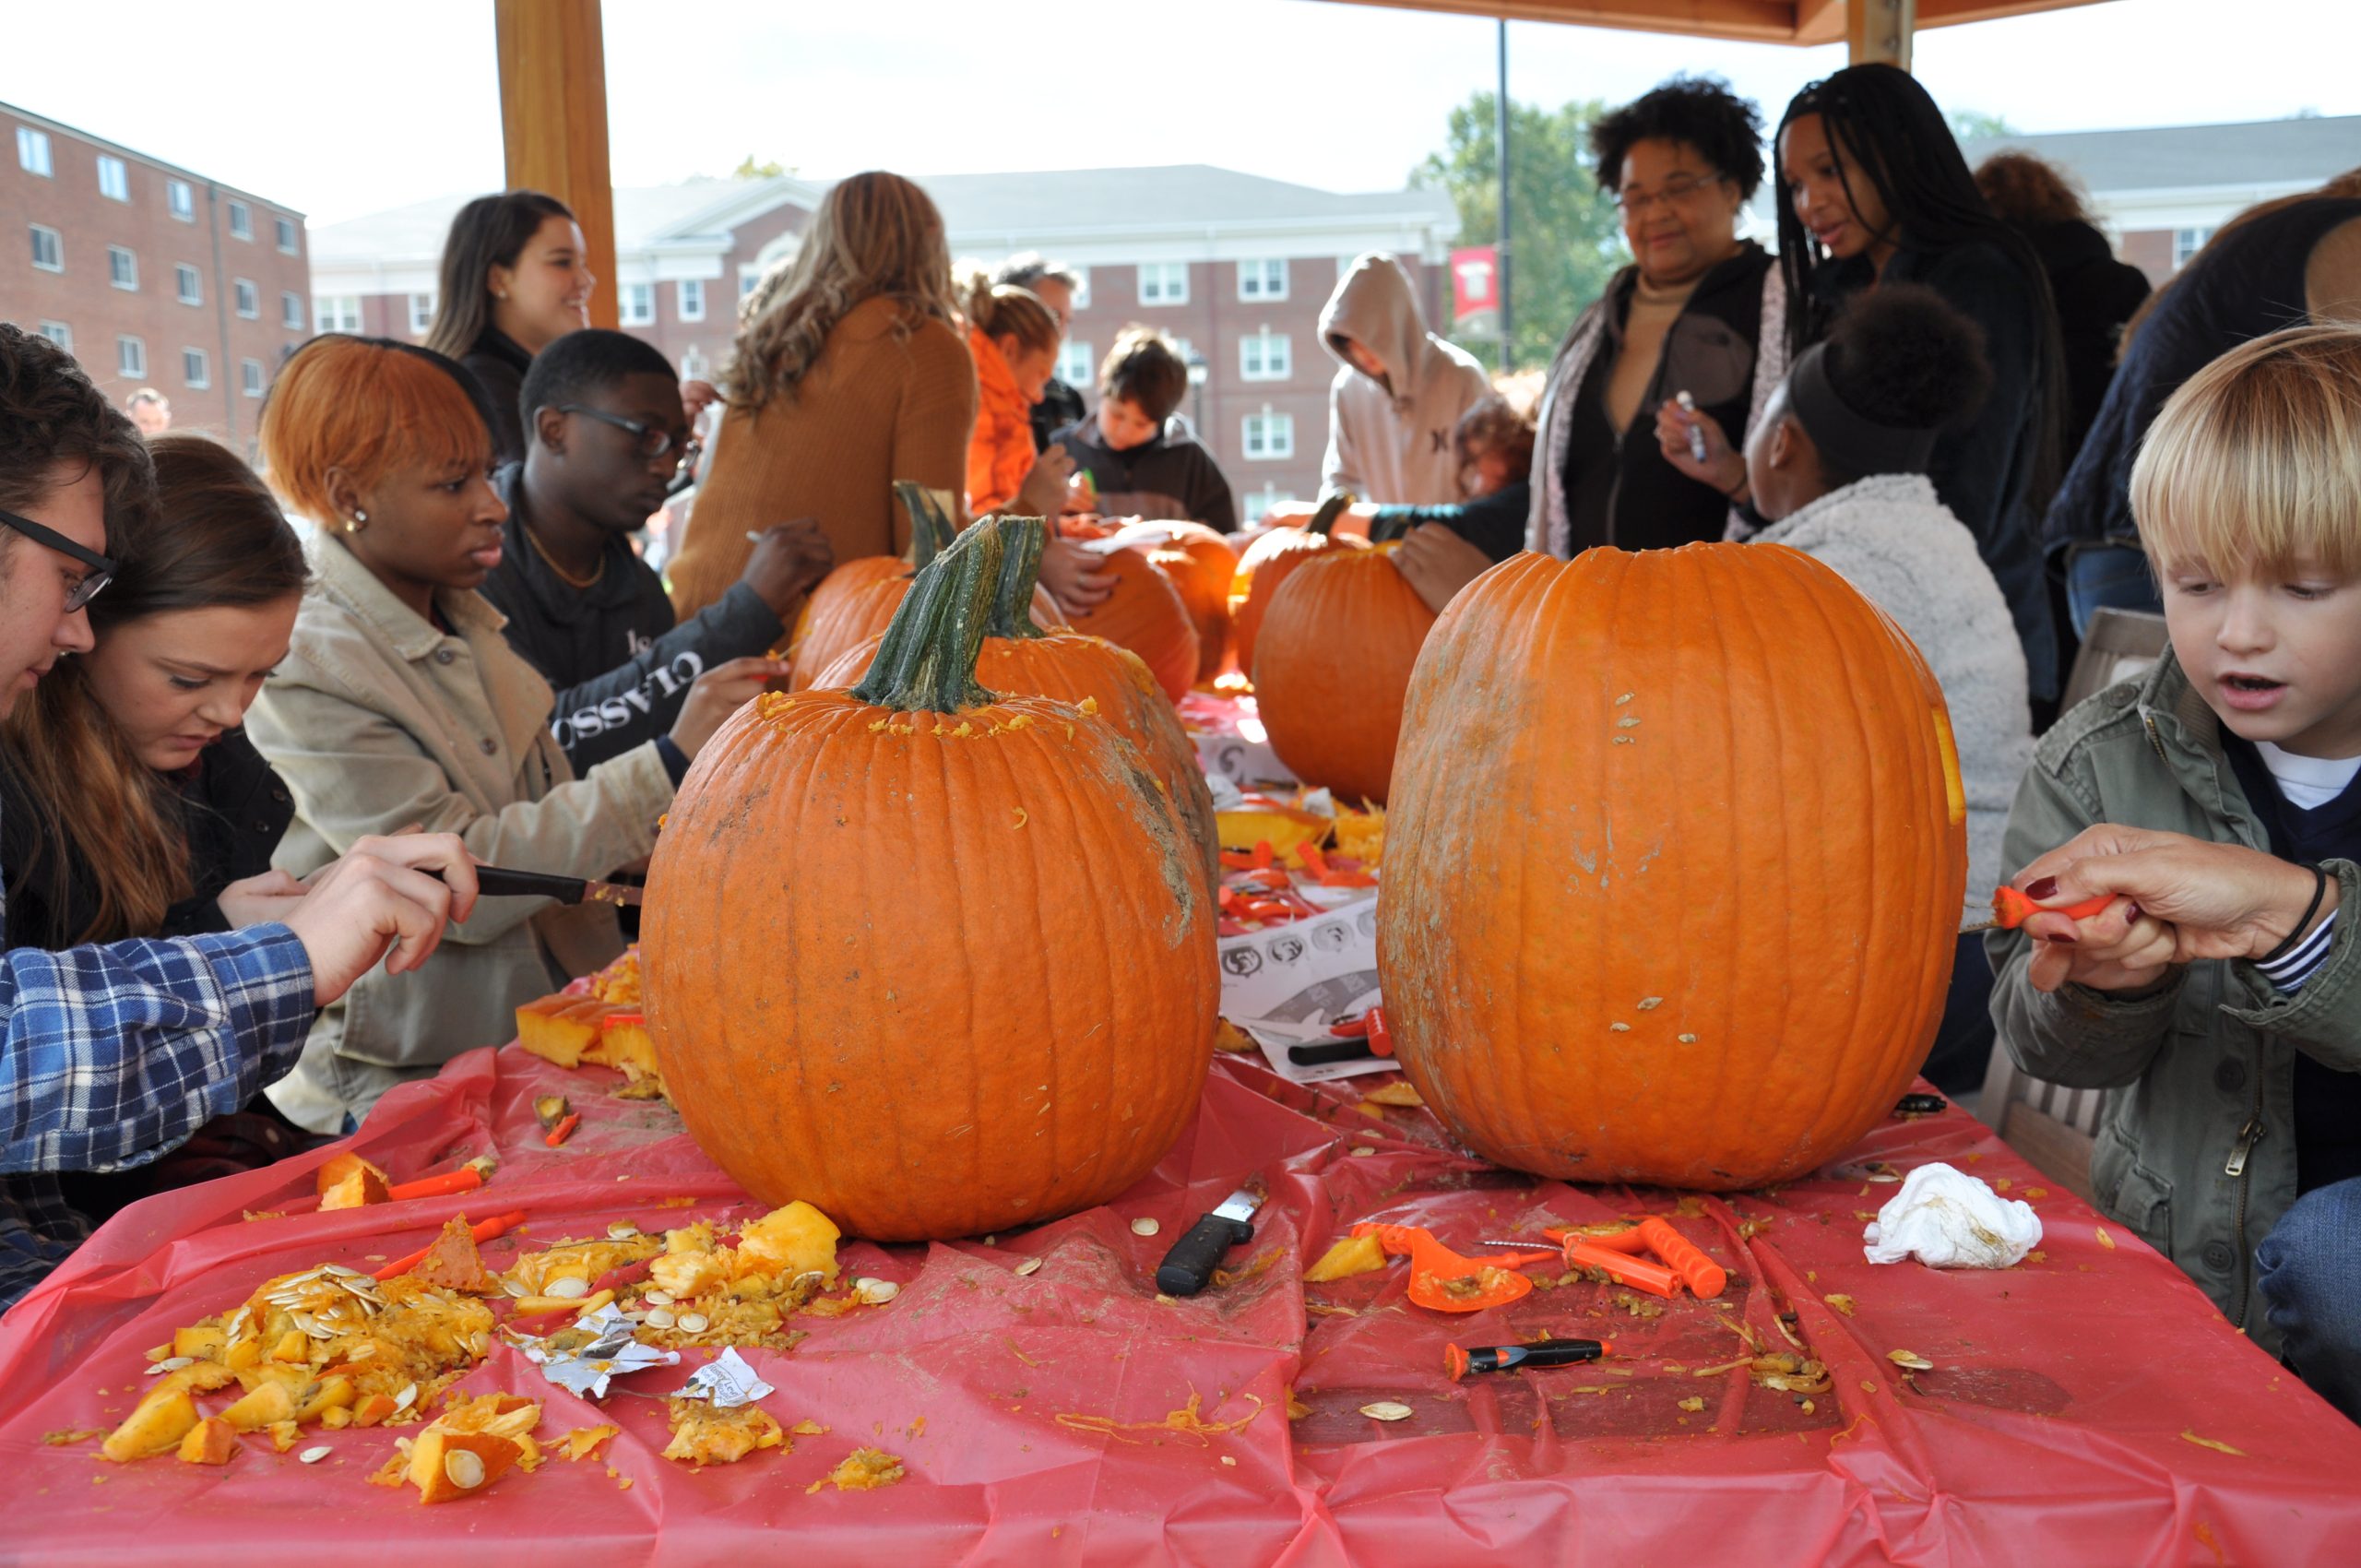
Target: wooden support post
{"type": "Point", "coordinates": [1880, 30]}
{"type": "Point", "coordinates": [553, 119]}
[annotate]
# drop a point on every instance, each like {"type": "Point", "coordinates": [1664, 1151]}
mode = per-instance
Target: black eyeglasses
{"type": "Point", "coordinates": [101, 570]}
{"type": "Point", "coordinates": [648, 441]}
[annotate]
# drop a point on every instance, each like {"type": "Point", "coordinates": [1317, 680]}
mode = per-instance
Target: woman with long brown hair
{"type": "Point", "coordinates": [516, 277]}
{"type": "Point", "coordinates": [131, 802]}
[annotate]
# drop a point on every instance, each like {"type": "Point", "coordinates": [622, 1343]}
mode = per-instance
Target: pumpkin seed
{"type": "Point", "coordinates": [570, 1288]}
{"type": "Point", "coordinates": [406, 1398]}
{"type": "Point", "coordinates": [170, 1363]}
{"type": "Point", "coordinates": [623, 1230]}
{"type": "Point", "coordinates": [1029, 1265]}
{"type": "Point", "coordinates": [1361, 1151]}
{"type": "Point", "coordinates": [343, 1273]}
{"type": "Point", "coordinates": [1388, 1411]}
{"type": "Point", "coordinates": [657, 1298]}
{"type": "Point", "coordinates": [876, 1292]}
{"type": "Point", "coordinates": [313, 1455]}
{"type": "Point", "coordinates": [1619, 1027]}
{"type": "Point", "coordinates": [1143, 1226]}
{"type": "Point", "coordinates": [1647, 1002]}
{"type": "Point", "coordinates": [465, 1468]}
{"type": "Point", "coordinates": [659, 1318]}
{"type": "Point", "coordinates": [692, 1323]}
{"type": "Point", "coordinates": [1689, 1040]}
{"type": "Point", "coordinates": [360, 1352]}
{"type": "Point", "coordinates": [516, 1287]}
{"type": "Point", "coordinates": [1910, 1358]}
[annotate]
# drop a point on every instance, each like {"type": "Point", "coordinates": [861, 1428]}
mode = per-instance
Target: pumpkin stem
{"type": "Point", "coordinates": [930, 525]}
{"type": "Point", "coordinates": [927, 660]}
{"type": "Point", "coordinates": [1022, 540]}
{"type": "Point", "coordinates": [1330, 510]}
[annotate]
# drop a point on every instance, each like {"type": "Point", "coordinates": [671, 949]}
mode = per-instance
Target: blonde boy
{"type": "Point", "coordinates": [2238, 1121]}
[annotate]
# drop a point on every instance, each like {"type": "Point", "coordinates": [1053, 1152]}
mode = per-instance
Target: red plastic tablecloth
{"type": "Point", "coordinates": [2055, 1430]}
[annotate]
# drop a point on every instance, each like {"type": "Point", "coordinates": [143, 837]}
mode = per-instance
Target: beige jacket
{"type": "Point", "coordinates": [378, 721]}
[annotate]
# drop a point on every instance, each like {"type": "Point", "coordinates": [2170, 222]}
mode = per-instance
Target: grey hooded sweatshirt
{"type": "Point", "coordinates": [1389, 444]}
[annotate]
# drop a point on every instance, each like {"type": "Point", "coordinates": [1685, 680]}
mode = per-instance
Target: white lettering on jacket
{"type": "Point", "coordinates": [663, 682]}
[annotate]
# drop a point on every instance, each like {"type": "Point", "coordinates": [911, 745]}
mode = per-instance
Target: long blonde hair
{"type": "Point", "coordinates": [874, 234]}
{"type": "Point", "coordinates": [1003, 310]}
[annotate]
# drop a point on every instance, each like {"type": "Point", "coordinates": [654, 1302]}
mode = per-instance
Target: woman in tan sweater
{"type": "Point", "coordinates": [849, 371]}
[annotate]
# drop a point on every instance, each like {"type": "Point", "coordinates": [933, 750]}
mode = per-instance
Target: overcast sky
{"type": "Point", "coordinates": [337, 108]}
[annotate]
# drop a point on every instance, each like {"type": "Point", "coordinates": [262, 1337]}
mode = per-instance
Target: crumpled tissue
{"type": "Point", "coordinates": [1948, 1220]}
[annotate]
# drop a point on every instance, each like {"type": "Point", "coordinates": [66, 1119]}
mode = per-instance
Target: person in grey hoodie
{"type": "Point", "coordinates": [1392, 408]}
{"type": "Point", "coordinates": [1838, 462]}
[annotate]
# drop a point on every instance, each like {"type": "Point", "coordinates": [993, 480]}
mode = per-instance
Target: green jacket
{"type": "Point", "coordinates": [2197, 1155]}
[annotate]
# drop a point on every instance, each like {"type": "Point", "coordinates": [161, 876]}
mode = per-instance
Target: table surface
{"type": "Point", "coordinates": [2057, 1427]}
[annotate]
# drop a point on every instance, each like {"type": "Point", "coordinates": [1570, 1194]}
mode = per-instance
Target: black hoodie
{"type": "Point", "coordinates": [1169, 475]}
{"type": "Point", "coordinates": [621, 666]}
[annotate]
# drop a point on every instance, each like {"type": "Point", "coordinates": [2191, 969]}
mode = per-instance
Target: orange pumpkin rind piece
{"type": "Point", "coordinates": [210, 1442]}
{"type": "Point", "coordinates": [339, 1167]}
{"type": "Point", "coordinates": [447, 1466]}
{"type": "Point", "coordinates": [358, 1190]}
{"type": "Point", "coordinates": [455, 1264]}
{"type": "Point", "coordinates": [793, 1239]}
{"type": "Point", "coordinates": [155, 1426]}
{"type": "Point", "coordinates": [703, 1435]}
{"type": "Point", "coordinates": [560, 1029]}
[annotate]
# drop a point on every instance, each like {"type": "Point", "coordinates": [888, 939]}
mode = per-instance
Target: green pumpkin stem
{"type": "Point", "coordinates": [930, 525]}
{"type": "Point", "coordinates": [927, 660]}
{"type": "Point", "coordinates": [1022, 540]}
{"type": "Point", "coordinates": [1330, 510]}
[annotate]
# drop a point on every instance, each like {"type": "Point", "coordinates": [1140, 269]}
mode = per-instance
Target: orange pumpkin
{"type": "Point", "coordinates": [1022, 659]}
{"type": "Point", "coordinates": [863, 986]}
{"type": "Point", "coordinates": [1200, 565]}
{"type": "Point", "coordinates": [1144, 613]}
{"type": "Point", "coordinates": [1673, 866]}
{"type": "Point", "coordinates": [1333, 666]}
{"type": "Point", "coordinates": [1266, 563]}
{"type": "Point", "coordinates": [857, 598]}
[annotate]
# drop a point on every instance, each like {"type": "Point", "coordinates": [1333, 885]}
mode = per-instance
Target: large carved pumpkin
{"type": "Point", "coordinates": [1333, 666]}
{"type": "Point", "coordinates": [1673, 867]}
{"type": "Point", "coordinates": [860, 966]}
{"type": "Point", "coordinates": [857, 598]}
{"type": "Point", "coordinates": [1020, 658]}
{"type": "Point", "coordinates": [1200, 565]}
{"type": "Point", "coordinates": [1144, 613]}
{"type": "Point", "coordinates": [1265, 564]}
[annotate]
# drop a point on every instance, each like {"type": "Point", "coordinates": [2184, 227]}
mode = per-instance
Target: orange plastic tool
{"type": "Point", "coordinates": [2012, 909]}
{"type": "Point", "coordinates": [1601, 1253]}
{"type": "Point", "coordinates": [1700, 1273]}
{"type": "Point", "coordinates": [1433, 1266]}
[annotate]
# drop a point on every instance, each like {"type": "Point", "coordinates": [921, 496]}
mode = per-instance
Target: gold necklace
{"type": "Point", "coordinates": [568, 578]}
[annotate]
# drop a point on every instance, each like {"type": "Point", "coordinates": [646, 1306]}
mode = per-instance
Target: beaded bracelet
{"type": "Point", "coordinates": [2320, 891]}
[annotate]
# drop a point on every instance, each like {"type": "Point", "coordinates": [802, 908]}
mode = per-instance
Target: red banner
{"type": "Point", "coordinates": [1474, 283]}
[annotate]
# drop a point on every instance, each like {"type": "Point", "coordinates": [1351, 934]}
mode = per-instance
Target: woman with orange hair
{"type": "Point", "coordinates": [400, 704]}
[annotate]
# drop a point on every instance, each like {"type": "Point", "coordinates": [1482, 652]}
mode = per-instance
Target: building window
{"type": "Point", "coordinates": [695, 366]}
{"type": "Point", "coordinates": [1269, 435]}
{"type": "Point", "coordinates": [1266, 356]}
{"type": "Point", "coordinates": [123, 267]}
{"type": "Point", "coordinates": [249, 377]}
{"type": "Point", "coordinates": [1164, 282]}
{"type": "Point", "coordinates": [2187, 242]}
{"type": "Point", "coordinates": [58, 333]}
{"type": "Point", "coordinates": [691, 299]}
{"type": "Point", "coordinates": [196, 369]}
{"type": "Point", "coordinates": [336, 313]}
{"type": "Point", "coordinates": [1263, 279]}
{"type": "Point", "coordinates": [421, 315]}
{"type": "Point", "coordinates": [636, 305]}
{"type": "Point", "coordinates": [49, 251]}
{"type": "Point", "coordinates": [115, 180]}
{"type": "Point", "coordinates": [291, 310]}
{"type": "Point", "coordinates": [1081, 286]}
{"type": "Point", "coordinates": [131, 358]}
{"type": "Point", "coordinates": [1074, 362]}
{"type": "Point", "coordinates": [189, 284]}
{"type": "Point", "coordinates": [181, 199]}
{"type": "Point", "coordinates": [249, 297]}
{"type": "Point", "coordinates": [241, 222]}
{"type": "Point", "coordinates": [32, 150]}
{"type": "Point", "coordinates": [1253, 506]}
{"type": "Point", "coordinates": [286, 235]}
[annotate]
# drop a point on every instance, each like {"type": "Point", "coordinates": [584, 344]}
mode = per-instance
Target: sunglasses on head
{"type": "Point", "coordinates": [101, 570]}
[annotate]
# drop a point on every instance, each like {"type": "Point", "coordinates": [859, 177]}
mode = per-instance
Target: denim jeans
{"type": "Point", "coordinates": [2310, 1279]}
{"type": "Point", "coordinates": [2109, 577]}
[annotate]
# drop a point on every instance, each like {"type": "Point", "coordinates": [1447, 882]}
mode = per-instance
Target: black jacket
{"type": "Point", "coordinates": [232, 807]}
{"type": "Point", "coordinates": [1983, 470]}
{"type": "Point", "coordinates": [620, 666]}
{"type": "Point", "coordinates": [499, 362]}
{"type": "Point", "coordinates": [1060, 405]}
{"type": "Point", "coordinates": [2247, 283]}
{"type": "Point", "coordinates": [1169, 475]}
{"type": "Point", "coordinates": [2096, 295]}
{"type": "Point", "coordinates": [1493, 524]}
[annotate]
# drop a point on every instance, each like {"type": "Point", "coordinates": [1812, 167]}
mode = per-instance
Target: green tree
{"type": "Point", "coordinates": [1566, 239]}
{"type": "Point", "coordinates": [750, 170]}
{"type": "Point", "coordinates": [1973, 125]}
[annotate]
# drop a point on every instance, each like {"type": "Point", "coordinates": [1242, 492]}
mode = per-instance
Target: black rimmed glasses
{"type": "Point", "coordinates": [648, 441]}
{"type": "Point", "coordinates": [86, 589]}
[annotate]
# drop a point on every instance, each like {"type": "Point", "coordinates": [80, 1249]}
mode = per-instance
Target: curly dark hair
{"type": "Point", "coordinates": [1700, 111]}
{"type": "Point", "coordinates": [2026, 190]}
{"type": "Point", "coordinates": [1900, 355]}
{"type": "Point", "coordinates": [50, 414]}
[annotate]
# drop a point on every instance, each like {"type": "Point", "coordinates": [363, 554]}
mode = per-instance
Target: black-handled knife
{"type": "Point", "coordinates": [1189, 1267]}
{"type": "Point", "coordinates": [1329, 1050]}
{"type": "Point", "coordinates": [500, 882]}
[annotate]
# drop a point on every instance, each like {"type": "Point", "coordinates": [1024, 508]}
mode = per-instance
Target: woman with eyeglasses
{"type": "Point", "coordinates": [605, 431]}
{"type": "Point", "coordinates": [401, 703]}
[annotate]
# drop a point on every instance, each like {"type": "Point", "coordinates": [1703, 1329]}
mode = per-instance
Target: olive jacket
{"type": "Point", "coordinates": [378, 720]}
{"type": "Point", "coordinates": [2196, 1150]}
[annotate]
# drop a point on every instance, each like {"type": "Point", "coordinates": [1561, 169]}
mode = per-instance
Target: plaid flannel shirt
{"type": "Point", "coordinates": [116, 1054]}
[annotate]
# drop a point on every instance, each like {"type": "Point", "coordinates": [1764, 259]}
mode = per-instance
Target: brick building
{"type": "Point", "coordinates": [152, 274]}
{"type": "Point", "coordinates": [2160, 192]}
{"type": "Point", "coordinates": [1235, 265]}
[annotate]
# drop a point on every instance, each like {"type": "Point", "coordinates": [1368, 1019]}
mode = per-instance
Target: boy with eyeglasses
{"type": "Point", "coordinates": [604, 434]}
